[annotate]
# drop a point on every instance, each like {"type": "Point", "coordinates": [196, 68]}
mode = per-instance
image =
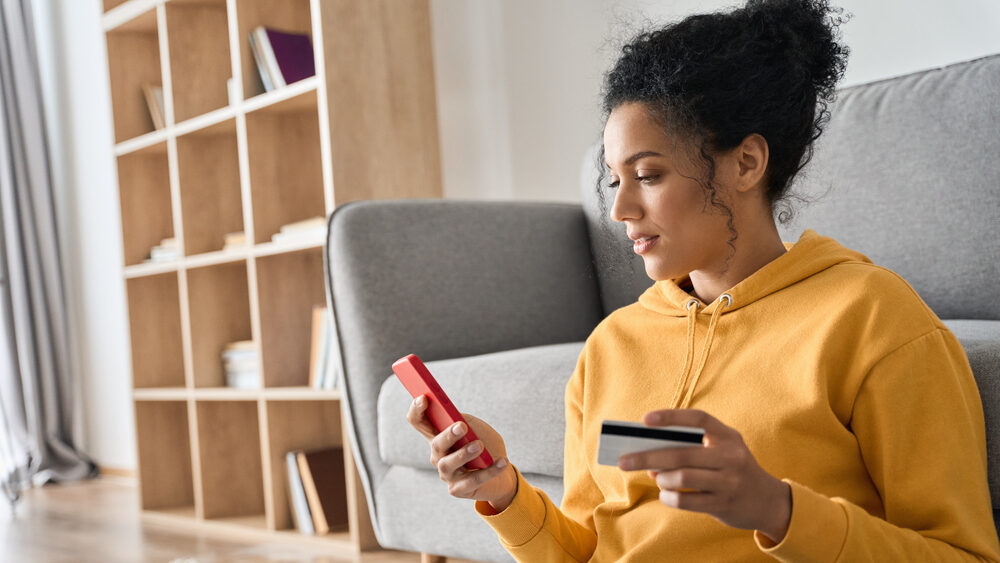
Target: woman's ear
{"type": "Point", "coordinates": [751, 158]}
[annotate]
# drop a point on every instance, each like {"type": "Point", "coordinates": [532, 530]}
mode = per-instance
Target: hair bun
{"type": "Point", "coordinates": [806, 31]}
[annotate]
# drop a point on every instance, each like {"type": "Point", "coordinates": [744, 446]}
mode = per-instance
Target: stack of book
{"type": "Point", "coordinates": [310, 229]}
{"type": "Point", "coordinates": [233, 240]}
{"type": "Point", "coordinates": [239, 362]}
{"type": "Point", "coordinates": [282, 57]}
{"type": "Point", "coordinates": [322, 365]}
{"type": "Point", "coordinates": [317, 489]}
{"type": "Point", "coordinates": [168, 249]}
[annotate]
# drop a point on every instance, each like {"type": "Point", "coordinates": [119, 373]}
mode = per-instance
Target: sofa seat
{"type": "Point", "coordinates": [518, 392]}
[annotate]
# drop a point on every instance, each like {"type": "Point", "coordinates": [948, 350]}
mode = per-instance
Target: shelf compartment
{"type": "Point", "coordinates": [285, 15]}
{"type": "Point", "coordinates": [155, 326]}
{"type": "Point", "coordinates": [219, 307]}
{"type": "Point", "coordinates": [133, 61]}
{"type": "Point", "coordinates": [229, 451]}
{"type": "Point", "coordinates": [209, 178]}
{"type": "Point", "coordinates": [289, 286]}
{"type": "Point", "coordinates": [164, 448]}
{"type": "Point", "coordinates": [200, 64]}
{"type": "Point", "coordinates": [144, 195]}
{"type": "Point", "coordinates": [286, 175]}
{"type": "Point", "coordinates": [291, 426]}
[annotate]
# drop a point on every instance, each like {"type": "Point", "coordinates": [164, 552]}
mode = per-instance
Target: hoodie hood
{"type": "Point", "coordinates": [810, 255]}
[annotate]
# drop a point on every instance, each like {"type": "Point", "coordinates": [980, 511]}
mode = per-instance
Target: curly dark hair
{"type": "Point", "coordinates": [770, 67]}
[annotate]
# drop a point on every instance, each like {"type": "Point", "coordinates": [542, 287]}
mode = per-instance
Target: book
{"type": "Point", "coordinates": [282, 57]}
{"type": "Point", "coordinates": [168, 249]}
{"type": "Point", "coordinates": [240, 365]}
{"type": "Point", "coordinates": [325, 487]}
{"type": "Point", "coordinates": [319, 348]}
{"type": "Point", "coordinates": [234, 239]}
{"type": "Point", "coordinates": [297, 494]}
{"type": "Point", "coordinates": [154, 102]}
{"type": "Point", "coordinates": [313, 228]}
{"type": "Point", "coordinates": [261, 62]}
{"type": "Point", "coordinates": [309, 224]}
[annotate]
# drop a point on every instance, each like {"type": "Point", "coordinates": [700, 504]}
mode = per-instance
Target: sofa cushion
{"type": "Point", "coordinates": [518, 392]}
{"type": "Point", "coordinates": [981, 340]}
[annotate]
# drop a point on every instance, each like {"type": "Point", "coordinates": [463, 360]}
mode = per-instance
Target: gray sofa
{"type": "Point", "coordinates": [498, 297]}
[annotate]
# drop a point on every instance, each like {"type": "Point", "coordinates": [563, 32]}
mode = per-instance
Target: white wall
{"type": "Point", "coordinates": [518, 84]}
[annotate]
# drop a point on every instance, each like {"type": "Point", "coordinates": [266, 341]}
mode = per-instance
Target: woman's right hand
{"type": "Point", "coordinates": [496, 484]}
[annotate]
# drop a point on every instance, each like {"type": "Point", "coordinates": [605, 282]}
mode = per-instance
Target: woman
{"type": "Point", "coordinates": [841, 418]}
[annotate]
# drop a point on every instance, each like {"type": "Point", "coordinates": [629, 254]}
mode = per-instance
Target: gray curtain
{"type": "Point", "coordinates": [37, 374]}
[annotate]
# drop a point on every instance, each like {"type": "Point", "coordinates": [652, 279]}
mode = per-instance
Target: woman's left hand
{"type": "Point", "coordinates": [721, 479]}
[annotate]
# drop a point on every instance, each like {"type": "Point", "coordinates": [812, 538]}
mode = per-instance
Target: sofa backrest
{"type": "Point", "coordinates": [907, 171]}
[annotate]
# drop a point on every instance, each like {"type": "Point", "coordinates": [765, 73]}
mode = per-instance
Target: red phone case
{"type": "Point", "coordinates": [440, 410]}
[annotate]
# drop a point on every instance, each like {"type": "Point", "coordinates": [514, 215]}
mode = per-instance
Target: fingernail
{"type": "Point", "coordinates": [626, 463]}
{"type": "Point", "coordinates": [419, 402]}
{"type": "Point", "coordinates": [474, 448]}
{"type": "Point", "coordinates": [458, 429]}
{"type": "Point", "coordinates": [502, 463]}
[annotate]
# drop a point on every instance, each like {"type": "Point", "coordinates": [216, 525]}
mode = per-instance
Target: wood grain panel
{"type": "Point", "coordinates": [219, 304]}
{"type": "Point", "coordinates": [286, 178]}
{"type": "Point", "coordinates": [289, 286]}
{"type": "Point", "coordinates": [199, 56]}
{"type": "Point", "coordinates": [381, 99]}
{"type": "Point", "coordinates": [211, 203]}
{"type": "Point", "coordinates": [164, 454]}
{"type": "Point", "coordinates": [155, 328]}
{"type": "Point", "coordinates": [229, 447]}
{"type": "Point", "coordinates": [144, 196]}
{"type": "Point", "coordinates": [133, 60]}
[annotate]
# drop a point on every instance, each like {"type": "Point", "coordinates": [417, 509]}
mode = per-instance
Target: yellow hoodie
{"type": "Point", "coordinates": [842, 382]}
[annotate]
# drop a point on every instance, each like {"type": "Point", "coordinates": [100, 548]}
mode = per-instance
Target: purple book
{"type": "Point", "coordinates": [293, 53]}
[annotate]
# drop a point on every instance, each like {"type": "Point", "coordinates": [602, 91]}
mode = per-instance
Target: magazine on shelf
{"type": "Point", "coordinates": [282, 57]}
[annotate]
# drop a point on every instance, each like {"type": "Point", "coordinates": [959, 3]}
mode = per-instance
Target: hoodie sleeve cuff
{"type": "Point", "coordinates": [519, 522]}
{"type": "Point", "coordinates": [816, 532]}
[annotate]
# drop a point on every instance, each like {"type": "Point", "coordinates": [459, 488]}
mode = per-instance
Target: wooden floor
{"type": "Point", "coordinates": [100, 520]}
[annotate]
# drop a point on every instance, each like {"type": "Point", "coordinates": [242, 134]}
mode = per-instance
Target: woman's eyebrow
{"type": "Point", "coordinates": [637, 156]}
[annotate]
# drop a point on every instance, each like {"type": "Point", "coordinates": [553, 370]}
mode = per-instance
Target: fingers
{"type": "Point", "coordinates": [715, 430]}
{"type": "Point", "coordinates": [688, 480]}
{"type": "Point", "coordinates": [450, 463]}
{"type": "Point", "coordinates": [697, 502]}
{"type": "Point", "coordinates": [666, 459]}
{"type": "Point", "coordinates": [465, 485]}
{"type": "Point", "coordinates": [417, 418]}
{"type": "Point", "coordinates": [442, 443]}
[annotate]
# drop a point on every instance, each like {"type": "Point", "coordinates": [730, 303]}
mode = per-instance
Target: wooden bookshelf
{"type": "Point", "coordinates": [238, 158]}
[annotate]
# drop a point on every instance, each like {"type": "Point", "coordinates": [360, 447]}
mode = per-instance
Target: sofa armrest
{"type": "Point", "coordinates": [447, 279]}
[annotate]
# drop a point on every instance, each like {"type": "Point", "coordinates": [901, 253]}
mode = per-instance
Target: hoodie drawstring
{"type": "Point", "coordinates": [682, 382]}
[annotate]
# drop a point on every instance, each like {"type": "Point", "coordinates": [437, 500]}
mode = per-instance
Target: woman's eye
{"type": "Point", "coordinates": [647, 179]}
{"type": "Point", "coordinates": [614, 184]}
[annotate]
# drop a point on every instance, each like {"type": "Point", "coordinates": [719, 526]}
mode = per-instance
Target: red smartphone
{"type": "Point", "coordinates": [440, 410]}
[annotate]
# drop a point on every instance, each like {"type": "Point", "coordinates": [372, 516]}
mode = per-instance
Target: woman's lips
{"type": "Point", "coordinates": [641, 246]}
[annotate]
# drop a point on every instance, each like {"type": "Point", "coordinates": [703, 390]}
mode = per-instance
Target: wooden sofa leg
{"type": "Point", "coordinates": [428, 558]}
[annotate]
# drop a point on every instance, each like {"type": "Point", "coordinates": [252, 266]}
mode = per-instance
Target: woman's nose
{"type": "Point", "coordinates": [623, 208]}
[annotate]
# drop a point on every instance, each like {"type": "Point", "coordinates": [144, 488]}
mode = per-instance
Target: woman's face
{"type": "Point", "coordinates": [667, 213]}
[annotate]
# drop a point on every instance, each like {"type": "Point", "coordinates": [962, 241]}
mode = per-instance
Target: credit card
{"type": "Point", "coordinates": [619, 437]}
